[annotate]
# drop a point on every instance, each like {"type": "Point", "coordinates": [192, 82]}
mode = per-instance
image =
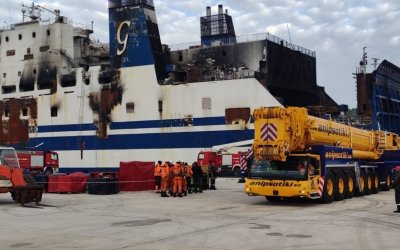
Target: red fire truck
{"type": "Point", "coordinates": [225, 157]}
{"type": "Point", "coordinates": [228, 163]}
{"type": "Point", "coordinates": [38, 161]}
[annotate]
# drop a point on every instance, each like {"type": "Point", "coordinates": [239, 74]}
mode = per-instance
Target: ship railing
{"type": "Point", "coordinates": [81, 26]}
{"type": "Point", "coordinates": [245, 39]}
{"type": "Point", "coordinates": [221, 76]}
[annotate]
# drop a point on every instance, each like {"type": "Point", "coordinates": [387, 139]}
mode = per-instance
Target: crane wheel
{"type": "Point", "coordinates": [368, 183]}
{"type": "Point", "coordinates": [328, 193]}
{"type": "Point", "coordinates": [339, 187]}
{"type": "Point", "coordinates": [388, 182]}
{"type": "Point", "coordinates": [362, 183]}
{"type": "Point", "coordinates": [375, 182]}
{"type": "Point", "coordinates": [350, 184]}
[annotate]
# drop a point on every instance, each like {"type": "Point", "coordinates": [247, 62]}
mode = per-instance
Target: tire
{"type": "Point", "coordinates": [29, 179]}
{"type": "Point", "coordinates": [375, 182]}
{"type": "Point", "coordinates": [236, 171]}
{"type": "Point", "coordinates": [388, 182]}
{"type": "Point", "coordinates": [48, 170]}
{"type": "Point", "coordinates": [339, 187]}
{"type": "Point", "coordinates": [361, 188]}
{"type": "Point", "coordinates": [350, 184]}
{"type": "Point", "coordinates": [328, 193]}
{"type": "Point", "coordinates": [273, 198]}
{"type": "Point", "coordinates": [368, 183]}
{"type": "Point", "coordinates": [12, 195]}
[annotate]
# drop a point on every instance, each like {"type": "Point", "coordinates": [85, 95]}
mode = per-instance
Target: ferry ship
{"type": "Point", "coordinates": [135, 98]}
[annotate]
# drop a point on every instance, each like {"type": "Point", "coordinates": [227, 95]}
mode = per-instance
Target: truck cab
{"type": "Point", "coordinates": [8, 159]}
{"type": "Point", "coordinates": [296, 177]}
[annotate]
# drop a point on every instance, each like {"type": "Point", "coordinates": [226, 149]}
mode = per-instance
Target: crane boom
{"type": "Point", "coordinates": [279, 131]}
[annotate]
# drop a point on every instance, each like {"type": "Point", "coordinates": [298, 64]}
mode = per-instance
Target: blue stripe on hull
{"type": "Point", "coordinates": [207, 121]}
{"type": "Point", "coordinates": [201, 139]}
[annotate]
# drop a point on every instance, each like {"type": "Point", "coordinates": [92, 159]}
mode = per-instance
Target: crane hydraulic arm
{"type": "Point", "coordinates": [279, 131]}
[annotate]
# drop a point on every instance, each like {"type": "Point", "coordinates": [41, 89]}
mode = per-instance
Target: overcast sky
{"type": "Point", "coordinates": [337, 30]}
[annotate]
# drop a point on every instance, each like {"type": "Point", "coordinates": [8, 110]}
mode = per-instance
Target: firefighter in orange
{"type": "Point", "coordinates": [164, 170]}
{"type": "Point", "coordinates": [187, 176]}
{"type": "Point", "coordinates": [170, 178]}
{"type": "Point", "coordinates": [177, 173]}
{"type": "Point", "coordinates": [157, 177]}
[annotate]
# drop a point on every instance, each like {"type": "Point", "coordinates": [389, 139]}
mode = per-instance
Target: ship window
{"type": "Point", "coordinates": [19, 73]}
{"type": "Point", "coordinates": [130, 107]}
{"type": "Point", "coordinates": [28, 50]}
{"type": "Point", "coordinates": [223, 53]}
{"type": "Point", "coordinates": [24, 112]}
{"type": "Point", "coordinates": [160, 106]}
{"type": "Point", "coordinates": [6, 113]}
{"type": "Point", "coordinates": [20, 37]}
{"type": "Point", "coordinates": [10, 52]}
{"type": "Point", "coordinates": [44, 48]}
{"type": "Point", "coordinates": [188, 120]}
{"type": "Point", "coordinates": [33, 34]}
{"type": "Point", "coordinates": [4, 75]}
{"type": "Point", "coordinates": [9, 89]}
{"type": "Point", "coordinates": [7, 38]}
{"type": "Point", "coordinates": [180, 56]}
{"type": "Point", "coordinates": [54, 111]}
{"type": "Point", "coordinates": [48, 32]}
{"type": "Point", "coordinates": [28, 57]}
{"type": "Point", "coordinates": [206, 103]}
{"type": "Point", "coordinates": [34, 71]}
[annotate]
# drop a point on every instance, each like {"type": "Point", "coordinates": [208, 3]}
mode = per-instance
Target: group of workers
{"type": "Point", "coordinates": [176, 178]}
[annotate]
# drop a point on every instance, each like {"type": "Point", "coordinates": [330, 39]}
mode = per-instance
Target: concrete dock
{"type": "Point", "coordinates": [222, 219]}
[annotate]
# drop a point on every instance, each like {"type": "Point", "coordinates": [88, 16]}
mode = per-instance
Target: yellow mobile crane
{"type": "Point", "coordinates": [298, 155]}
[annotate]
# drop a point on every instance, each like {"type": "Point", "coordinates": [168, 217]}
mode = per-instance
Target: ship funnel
{"type": "Point", "coordinates": [134, 35]}
{"type": "Point", "coordinates": [208, 11]}
{"type": "Point", "coordinates": [220, 9]}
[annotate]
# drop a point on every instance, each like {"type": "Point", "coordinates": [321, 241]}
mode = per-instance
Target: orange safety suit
{"type": "Point", "coordinates": [164, 171]}
{"type": "Point", "coordinates": [157, 177]}
{"type": "Point", "coordinates": [187, 174]}
{"type": "Point", "coordinates": [177, 174]}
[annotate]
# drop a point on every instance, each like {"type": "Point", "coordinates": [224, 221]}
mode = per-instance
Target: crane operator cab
{"type": "Point", "coordinates": [296, 177]}
{"type": "Point", "coordinates": [296, 167]}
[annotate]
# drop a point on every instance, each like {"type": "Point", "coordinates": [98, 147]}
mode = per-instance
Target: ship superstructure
{"type": "Point", "coordinates": [378, 95]}
{"type": "Point", "coordinates": [134, 99]}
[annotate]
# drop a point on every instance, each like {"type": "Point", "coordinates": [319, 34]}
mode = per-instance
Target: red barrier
{"type": "Point", "coordinates": [73, 183]}
{"type": "Point", "coordinates": [136, 176]}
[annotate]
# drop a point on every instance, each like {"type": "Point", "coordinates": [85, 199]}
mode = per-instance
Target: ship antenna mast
{"type": "Point", "coordinates": [364, 62]}
{"type": "Point", "coordinates": [288, 31]}
{"type": "Point", "coordinates": [34, 11]}
{"type": "Point", "coordinates": [376, 60]}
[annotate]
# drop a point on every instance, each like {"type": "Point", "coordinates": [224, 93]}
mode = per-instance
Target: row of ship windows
{"type": "Point", "coordinates": [130, 108]}
{"type": "Point", "coordinates": [7, 38]}
{"type": "Point", "coordinates": [29, 55]}
{"type": "Point", "coordinates": [19, 73]}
